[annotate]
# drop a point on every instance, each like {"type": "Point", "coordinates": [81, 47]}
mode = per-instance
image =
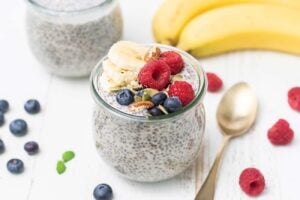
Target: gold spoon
{"type": "Point", "coordinates": [235, 115]}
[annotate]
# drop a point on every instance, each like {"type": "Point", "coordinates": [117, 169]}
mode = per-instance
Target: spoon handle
{"type": "Point", "coordinates": [207, 190]}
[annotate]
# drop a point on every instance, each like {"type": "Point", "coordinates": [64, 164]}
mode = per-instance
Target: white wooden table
{"type": "Point", "coordinates": [65, 123]}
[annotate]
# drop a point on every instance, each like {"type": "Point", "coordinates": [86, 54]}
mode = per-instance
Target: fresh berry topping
{"type": "Point", "coordinates": [252, 182]}
{"type": "Point", "coordinates": [2, 119]}
{"type": "Point", "coordinates": [155, 111]}
{"type": "Point", "coordinates": [172, 104]}
{"type": "Point", "coordinates": [294, 98]}
{"type": "Point", "coordinates": [15, 166]}
{"type": "Point", "coordinates": [183, 90]}
{"type": "Point", "coordinates": [215, 83]}
{"type": "Point", "coordinates": [103, 192]}
{"type": "Point", "coordinates": [4, 106]}
{"type": "Point", "coordinates": [2, 146]}
{"type": "Point", "coordinates": [155, 74]}
{"type": "Point", "coordinates": [18, 127]}
{"type": "Point", "coordinates": [281, 133]}
{"type": "Point", "coordinates": [125, 97]}
{"type": "Point", "coordinates": [140, 93]}
{"type": "Point", "coordinates": [32, 106]}
{"type": "Point", "coordinates": [174, 60]}
{"type": "Point", "coordinates": [159, 98]}
{"type": "Point", "coordinates": [31, 147]}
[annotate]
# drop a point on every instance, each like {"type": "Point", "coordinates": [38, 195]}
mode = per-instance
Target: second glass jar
{"type": "Point", "coordinates": [69, 43]}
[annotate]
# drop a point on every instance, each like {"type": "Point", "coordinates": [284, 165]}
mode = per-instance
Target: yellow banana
{"type": "Point", "coordinates": [173, 15]}
{"type": "Point", "coordinates": [244, 26]}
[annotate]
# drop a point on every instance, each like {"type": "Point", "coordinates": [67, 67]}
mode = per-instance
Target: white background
{"type": "Point", "coordinates": [65, 122]}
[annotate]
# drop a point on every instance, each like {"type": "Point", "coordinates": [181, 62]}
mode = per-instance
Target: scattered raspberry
{"type": "Point", "coordinates": [183, 90]}
{"type": "Point", "coordinates": [155, 74]}
{"type": "Point", "coordinates": [294, 98]}
{"type": "Point", "coordinates": [174, 60]}
{"type": "Point", "coordinates": [281, 133]}
{"type": "Point", "coordinates": [252, 182]}
{"type": "Point", "coordinates": [214, 82]}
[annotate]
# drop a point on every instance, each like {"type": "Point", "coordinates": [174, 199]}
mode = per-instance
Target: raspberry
{"type": "Point", "coordinates": [294, 98]}
{"type": "Point", "coordinates": [183, 90]}
{"type": "Point", "coordinates": [155, 74]}
{"type": "Point", "coordinates": [281, 133]}
{"type": "Point", "coordinates": [174, 60]}
{"type": "Point", "coordinates": [214, 82]}
{"type": "Point", "coordinates": [252, 182]}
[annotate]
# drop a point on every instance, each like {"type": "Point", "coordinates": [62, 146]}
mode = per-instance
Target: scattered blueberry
{"type": "Point", "coordinates": [15, 166]}
{"type": "Point", "coordinates": [31, 147]}
{"type": "Point", "coordinates": [103, 192]}
{"type": "Point", "coordinates": [172, 104]}
{"type": "Point", "coordinates": [155, 111]}
{"type": "Point", "coordinates": [4, 105]}
{"type": "Point", "coordinates": [125, 97]}
{"type": "Point", "coordinates": [32, 106]}
{"type": "Point", "coordinates": [18, 127]}
{"type": "Point", "coordinates": [2, 146]}
{"type": "Point", "coordinates": [2, 120]}
{"type": "Point", "coordinates": [159, 98]}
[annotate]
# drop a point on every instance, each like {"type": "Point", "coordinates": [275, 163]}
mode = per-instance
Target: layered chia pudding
{"type": "Point", "coordinates": [70, 36]}
{"type": "Point", "coordinates": [149, 118]}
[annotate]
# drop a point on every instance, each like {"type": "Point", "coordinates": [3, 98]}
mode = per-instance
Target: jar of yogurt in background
{"type": "Point", "coordinates": [149, 149]}
{"type": "Point", "coordinates": [69, 37]}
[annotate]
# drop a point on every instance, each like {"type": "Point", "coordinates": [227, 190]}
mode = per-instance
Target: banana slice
{"type": "Point", "coordinates": [108, 84]}
{"type": "Point", "coordinates": [119, 76]}
{"type": "Point", "coordinates": [127, 55]}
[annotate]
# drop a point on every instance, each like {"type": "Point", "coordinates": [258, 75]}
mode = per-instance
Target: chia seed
{"type": "Point", "coordinates": [70, 44]}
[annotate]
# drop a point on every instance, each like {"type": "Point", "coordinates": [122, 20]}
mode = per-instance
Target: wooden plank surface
{"type": "Point", "coordinates": [65, 123]}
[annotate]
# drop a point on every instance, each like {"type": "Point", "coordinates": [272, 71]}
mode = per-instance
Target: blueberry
{"type": "Point", "coordinates": [32, 106]}
{"type": "Point", "coordinates": [31, 147]}
{"type": "Point", "coordinates": [4, 105]}
{"type": "Point", "coordinates": [2, 146]}
{"type": "Point", "coordinates": [125, 97]}
{"type": "Point", "coordinates": [159, 98]}
{"type": "Point", "coordinates": [140, 93]}
{"type": "Point", "coordinates": [103, 192]}
{"type": "Point", "coordinates": [172, 104]}
{"type": "Point", "coordinates": [18, 127]}
{"type": "Point", "coordinates": [15, 166]}
{"type": "Point", "coordinates": [155, 111]}
{"type": "Point", "coordinates": [2, 120]}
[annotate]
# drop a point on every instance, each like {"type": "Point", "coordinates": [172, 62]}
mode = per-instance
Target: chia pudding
{"type": "Point", "coordinates": [139, 144]}
{"type": "Point", "coordinates": [69, 37]}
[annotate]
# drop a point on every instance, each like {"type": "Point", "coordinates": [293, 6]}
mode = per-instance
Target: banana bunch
{"type": "Point", "coordinates": [125, 59]}
{"type": "Point", "coordinates": [210, 27]}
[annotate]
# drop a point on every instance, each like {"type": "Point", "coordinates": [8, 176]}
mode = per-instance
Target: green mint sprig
{"type": "Point", "coordinates": [66, 157]}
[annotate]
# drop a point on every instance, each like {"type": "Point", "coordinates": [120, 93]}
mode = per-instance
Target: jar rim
{"type": "Point", "coordinates": [44, 9]}
{"type": "Point", "coordinates": [199, 95]}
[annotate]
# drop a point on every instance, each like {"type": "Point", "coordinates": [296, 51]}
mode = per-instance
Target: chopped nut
{"type": "Point", "coordinates": [140, 105]}
{"type": "Point", "coordinates": [163, 109]}
{"type": "Point", "coordinates": [153, 53]}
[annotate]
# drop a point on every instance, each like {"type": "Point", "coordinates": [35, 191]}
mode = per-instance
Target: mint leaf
{"type": "Point", "coordinates": [60, 167]}
{"type": "Point", "coordinates": [68, 155]}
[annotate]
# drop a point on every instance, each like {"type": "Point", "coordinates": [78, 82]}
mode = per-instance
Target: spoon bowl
{"type": "Point", "coordinates": [237, 110]}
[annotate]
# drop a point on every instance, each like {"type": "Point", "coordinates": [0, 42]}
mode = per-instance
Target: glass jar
{"type": "Point", "coordinates": [70, 41]}
{"type": "Point", "coordinates": [149, 149]}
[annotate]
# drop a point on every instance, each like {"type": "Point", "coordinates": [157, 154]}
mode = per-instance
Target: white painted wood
{"type": "Point", "coordinates": [65, 123]}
